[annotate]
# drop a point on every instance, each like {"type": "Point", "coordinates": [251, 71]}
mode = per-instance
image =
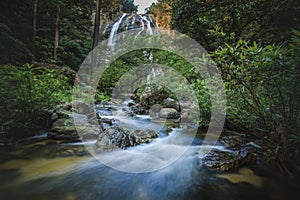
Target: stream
{"type": "Point", "coordinates": [40, 169]}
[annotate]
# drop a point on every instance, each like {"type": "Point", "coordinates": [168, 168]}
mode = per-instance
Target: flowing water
{"type": "Point", "coordinates": [114, 31]}
{"type": "Point", "coordinates": [41, 169]}
{"type": "Point", "coordinates": [47, 169]}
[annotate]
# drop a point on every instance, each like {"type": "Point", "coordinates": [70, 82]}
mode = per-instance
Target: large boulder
{"type": "Point", "coordinates": [144, 136]}
{"type": "Point", "coordinates": [171, 103]}
{"type": "Point", "coordinates": [231, 159]}
{"type": "Point", "coordinates": [169, 113]}
{"type": "Point", "coordinates": [153, 95]}
{"type": "Point", "coordinates": [64, 128]}
{"type": "Point", "coordinates": [116, 137]}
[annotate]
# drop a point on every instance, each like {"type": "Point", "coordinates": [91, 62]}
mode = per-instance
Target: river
{"type": "Point", "coordinates": [40, 169]}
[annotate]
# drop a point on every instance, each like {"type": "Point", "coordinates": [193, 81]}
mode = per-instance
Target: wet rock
{"type": "Point", "coordinates": [65, 128]}
{"type": "Point", "coordinates": [115, 138]}
{"type": "Point", "coordinates": [139, 111]}
{"type": "Point", "coordinates": [120, 138]}
{"type": "Point", "coordinates": [177, 121]}
{"type": "Point", "coordinates": [106, 121]}
{"type": "Point", "coordinates": [232, 141]}
{"type": "Point", "coordinates": [144, 136]}
{"type": "Point", "coordinates": [131, 103]}
{"type": "Point", "coordinates": [228, 160]}
{"type": "Point", "coordinates": [169, 113]}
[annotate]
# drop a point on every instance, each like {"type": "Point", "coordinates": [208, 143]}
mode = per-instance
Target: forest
{"type": "Point", "coordinates": [254, 44]}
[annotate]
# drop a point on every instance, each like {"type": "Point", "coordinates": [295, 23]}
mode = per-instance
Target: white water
{"type": "Point", "coordinates": [113, 33]}
{"type": "Point", "coordinates": [143, 26]}
{"type": "Point", "coordinates": [149, 28]}
{"type": "Point", "coordinates": [160, 153]}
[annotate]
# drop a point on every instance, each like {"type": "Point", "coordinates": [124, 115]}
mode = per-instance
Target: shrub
{"type": "Point", "coordinates": [263, 95]}
{"type": "Point", "coordinates": [26, 92]}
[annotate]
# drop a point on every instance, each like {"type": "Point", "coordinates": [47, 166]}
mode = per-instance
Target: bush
{"type": "Point", "coordinates": [26, 91]}
{"type": "Point", "coordinates": [263, 95]}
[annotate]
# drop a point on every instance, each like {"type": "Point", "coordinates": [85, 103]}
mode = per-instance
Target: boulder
{"type": "Point", "coordinates": [144, 136]}
{"type": "Point", "coordinates": [228, 160]}
{"type": "Point", "coordinates": [153, 95]}
{"type": "Point", "coordinates": [116, 137]}
{"type": "Point", "coordinates": [139, 111]}
{"type": "Point", "coordinates": [169, 113]}
{"type": "Point", "coordinates": [154, 110]}
{"type": "Point", "coordinates": [171, 103]}
{"type": "Point", "coordinates": [64, 127]}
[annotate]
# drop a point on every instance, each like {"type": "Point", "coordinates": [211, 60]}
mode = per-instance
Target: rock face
{"type": "Point", "coordinates": [120, 138]}
{"type": "Point", "coordinates": [130, 21]}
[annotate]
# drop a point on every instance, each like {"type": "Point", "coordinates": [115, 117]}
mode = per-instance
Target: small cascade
{"type": "Point", "coordinates": [143, 26]}
{"type": "Point", "coordinates": [114, 31]}
{"type": "Point", "coordinates": [149, 28]}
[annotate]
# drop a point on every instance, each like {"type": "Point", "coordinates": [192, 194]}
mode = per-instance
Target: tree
{"type": "Point", "coordinates": [162, 13]}
{"type": "Point", "coordinates": [30, 31]}
{"type": "Point", "coordinates": [128, 6]}
{"type": "Point", "coordinates": [34, 25]}
{"type": "Point", "coordinates": [263, 96]}
{"type": "Point", "coordinates": [215, 22]}
{"type": "Point", "coordinates": [56, 37]}
{"type": "Point", "coordinates": [96, 34]}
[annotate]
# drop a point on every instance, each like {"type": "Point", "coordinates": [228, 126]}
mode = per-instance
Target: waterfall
{"type": "Point", "coordinates": [149, 28]}
{"type": "Point", "coordinates": [114, 31]}
{"type": "Point", "coordinates": [143, 26]}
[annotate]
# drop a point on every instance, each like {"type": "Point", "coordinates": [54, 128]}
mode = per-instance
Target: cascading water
{"type": "Point", "coordinates": [85, 178]}
{"type": "Point", "coordinates": [114, 31]}
{"type": "Point", "coordinates": [128, 22]}
{"type": "Point", "coordinates": [143, 26]}
{"type": "Point", "coordinates": [149, 28]}
{"type": "Point", "coordinates": [89, 179]}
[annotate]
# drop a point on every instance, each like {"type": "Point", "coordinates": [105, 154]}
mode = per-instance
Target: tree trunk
{"type": "Point", "coordinates": [96, 34]}
{"type": "Point", "coordinates": [34, 22]}
{"type": "Point", "coordinates": [56, 37]}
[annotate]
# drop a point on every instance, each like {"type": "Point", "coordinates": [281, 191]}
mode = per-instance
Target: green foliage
{"type": "Point", "coordinates": [27, 93]}
{"type": "Point", "coordinates": [161, 11]}
{"type": "Point", "coordinates": [119, 67]}
{"type": "Point", "coordinates": [101, 97]}
{"type": "Point", "coordinates": [16, 31]}
{"type": "Point", "coordinates": [125, 63]}
{"type": "Point", "coordinates": [128, 6]}
{"type": "Point", "coordinates": [214, 22]}
{"type": "Point", "coordinates": [263, 94]}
